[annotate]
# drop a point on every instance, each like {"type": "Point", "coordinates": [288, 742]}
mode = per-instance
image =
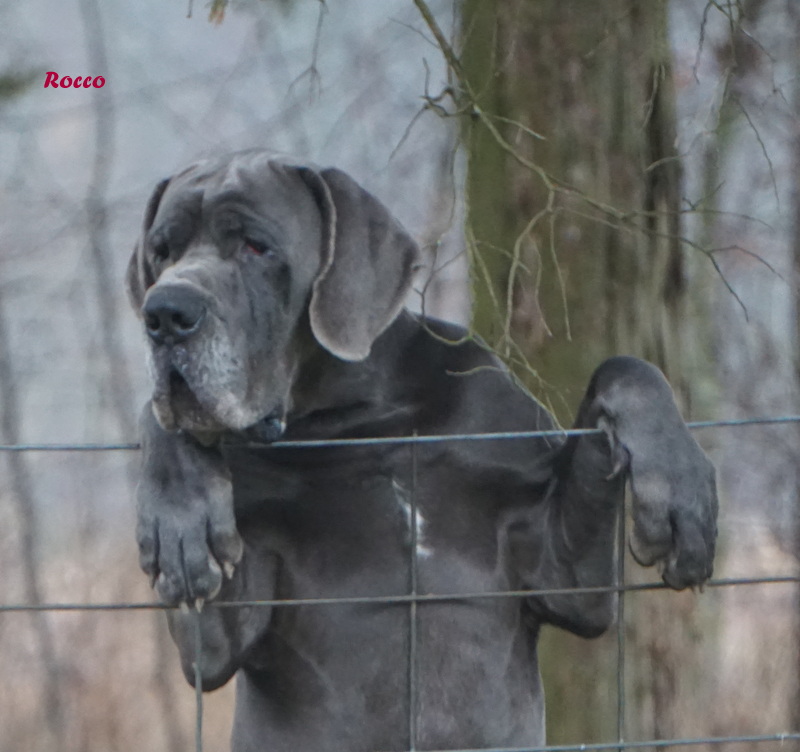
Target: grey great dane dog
{"type": "Point", "coordinates": [272, 295]}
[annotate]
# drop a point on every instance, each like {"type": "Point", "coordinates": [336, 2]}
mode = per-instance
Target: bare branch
{"type": "Point", "coordinates": [312, 71]}
{"type": "Point", "coordinates": [763, 150]}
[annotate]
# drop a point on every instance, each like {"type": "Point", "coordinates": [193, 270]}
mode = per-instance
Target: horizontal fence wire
{"type": "Point", "coordinates": [404, 598]}
{"type": "Point", "coordinates": [659, 743]}
{"type": "Point", "coordinates": [416, 439]}
{"type": "Point", "coordinates": [413, 598]}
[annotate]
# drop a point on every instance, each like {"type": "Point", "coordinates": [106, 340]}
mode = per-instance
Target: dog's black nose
{"type": "Point", "coordinates": [173, 313]}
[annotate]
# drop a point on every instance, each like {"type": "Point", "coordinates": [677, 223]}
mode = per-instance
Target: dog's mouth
{"type": "Point", "coordinates": [181, 394]}
{"type": "Point", "coordinates": [177, 405]}
{"type": "Point", "coordinates": [180, 405]}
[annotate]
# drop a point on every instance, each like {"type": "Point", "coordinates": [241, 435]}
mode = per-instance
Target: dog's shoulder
{"type": "Point", "coordinates": [462, 380]}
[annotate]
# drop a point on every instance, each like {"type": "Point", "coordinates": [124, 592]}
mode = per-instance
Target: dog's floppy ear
{"type": "Point", "coordinates": [368, 264]}
{"type": "Point", "coordinates": [140, 275]}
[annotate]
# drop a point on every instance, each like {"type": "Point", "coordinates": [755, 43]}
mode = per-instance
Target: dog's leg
{"type": "Point", "coordinates": [186, 528]}
{"type": "Point", "coordinates": [213, 639]}
{"type": "Point", "coordinates": [192, 551]}
{"type": "Point", "coordinates": [645, 441]}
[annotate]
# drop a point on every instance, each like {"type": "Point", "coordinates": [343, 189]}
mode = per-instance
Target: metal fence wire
{"type": "Point", "coordinates": [414, 598]}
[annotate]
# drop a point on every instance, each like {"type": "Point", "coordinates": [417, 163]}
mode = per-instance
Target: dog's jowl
{"type": "Point", "coordinates": [271, 294]}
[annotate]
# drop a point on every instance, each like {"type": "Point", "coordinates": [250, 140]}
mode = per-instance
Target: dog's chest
{"type": "Point", "coordinates": [347, 526]}
{"type": "Point", "coordinates": [361, 529]}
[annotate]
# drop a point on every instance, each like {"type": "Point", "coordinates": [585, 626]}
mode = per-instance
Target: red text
{"type": "Point", "coordinates": [51, 78]}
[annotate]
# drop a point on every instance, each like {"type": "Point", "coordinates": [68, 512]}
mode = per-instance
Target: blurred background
{"type": "Point", "coordinates": [585, 178]}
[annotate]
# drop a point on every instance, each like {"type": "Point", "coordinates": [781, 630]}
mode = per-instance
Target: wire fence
{"type": "Point", "coordinates": [413, 599]}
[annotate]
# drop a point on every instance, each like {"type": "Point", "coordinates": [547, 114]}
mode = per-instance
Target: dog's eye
{"type": "Point", "coordinates": [161, 250]}
{"type": "Point", "coordinates": [259, 247]}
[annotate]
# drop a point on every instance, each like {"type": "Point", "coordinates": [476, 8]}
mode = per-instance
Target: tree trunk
{"type": "Point", "coordinates": [574, 228]}
{"type": "Point", "coordinates": [593, 264]}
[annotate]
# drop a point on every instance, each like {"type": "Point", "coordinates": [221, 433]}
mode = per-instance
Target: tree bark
{"type": "Point", "coordinates": [594, 80]}
{"type": "Point", "coordinates": [576, 255]}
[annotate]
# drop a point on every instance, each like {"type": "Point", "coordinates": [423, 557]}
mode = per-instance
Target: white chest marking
{"type": "Point", "coordinates": [404, 502]}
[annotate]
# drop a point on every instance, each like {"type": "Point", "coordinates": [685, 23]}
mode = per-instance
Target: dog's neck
{"type": "Point", "coordinates": [333, 398]}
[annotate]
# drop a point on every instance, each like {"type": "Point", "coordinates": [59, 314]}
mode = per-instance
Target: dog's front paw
{"type": "Point", "coordinates": [674, 513]}
{"type": "Point", "coordinates": [187, 539]}
{"type": "Point", "coordinates": [186, 529]}
{"type": "Point", "coordinates": [672, 481]}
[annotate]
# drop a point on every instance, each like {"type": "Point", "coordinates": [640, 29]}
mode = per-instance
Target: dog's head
{"type": "Point", "coordinates": [238, 257]}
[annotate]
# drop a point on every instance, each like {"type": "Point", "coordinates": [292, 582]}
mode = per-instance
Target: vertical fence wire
{"type": "Point", "coordinates": [198, 680]}
{"type": "Point", "coordinates": [620, 577]}
{"type": "Point", "coordinates": [412, 606]}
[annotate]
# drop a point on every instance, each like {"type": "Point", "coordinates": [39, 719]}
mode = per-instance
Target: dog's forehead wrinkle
{"type": "Point", "coordinates": [177, 215]}
{"type": "Point", "coordinates": [236, 184]}
{"type": "Point", "coordinates": [245, 173]}
{"type": "Point", "coordinates": [252, 192]}
{"type": "Point", "coordinates": [231, 211]}
{"type": "Point", "coordinates": [196, 270]}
